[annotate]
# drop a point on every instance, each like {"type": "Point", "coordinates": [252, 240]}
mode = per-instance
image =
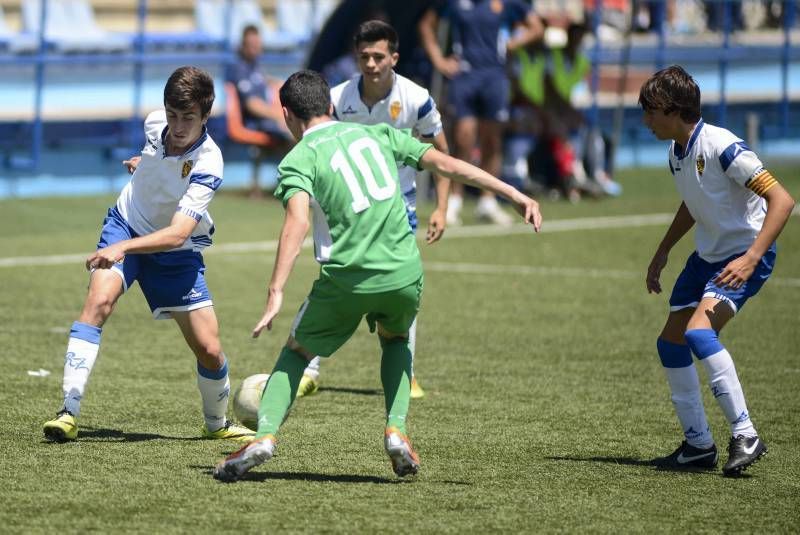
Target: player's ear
{"type": "Point", "coordinates": [395, 58]}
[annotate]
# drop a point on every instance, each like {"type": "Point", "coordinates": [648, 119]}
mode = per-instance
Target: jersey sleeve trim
{"type": "Point", "coordinates": [210, 181]}
{"type": "Point", "coordinates": [425, 109]}
{"type": "Point", "coordinates": [191, 213]}
{"type": "Point", "coordinates": [761, 183]}
{"type": "Point", "coordinates": [730, 153]}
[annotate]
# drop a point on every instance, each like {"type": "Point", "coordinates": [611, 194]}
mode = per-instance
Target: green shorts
{"type": "Point", "coordinates": [330, 316]}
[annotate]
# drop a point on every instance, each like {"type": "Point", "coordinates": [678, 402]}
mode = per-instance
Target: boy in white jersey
{"type": "Point", "coordinates": [379, 95]}
{"type": "Point", "coordinates": [369, 261]}
{"type": "Point", "coordinates": [154, 235]}
{"type": "Point", "coordinates": [739, 210]}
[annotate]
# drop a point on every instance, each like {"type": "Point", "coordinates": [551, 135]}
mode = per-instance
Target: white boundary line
{"type": "Point", "coordinates": [470, 231]}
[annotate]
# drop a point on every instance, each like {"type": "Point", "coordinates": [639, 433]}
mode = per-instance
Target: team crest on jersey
{"type": "Point", "coordinates": [701, 165]}
{"type": "Point", "coordinates": [394, 109]}
{"type": "Point", "coordinates": [497, 6]}
{"type": "Point", "coordinates": [187, 168]}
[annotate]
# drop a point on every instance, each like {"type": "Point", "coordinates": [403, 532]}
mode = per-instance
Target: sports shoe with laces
{"type": "Point", "coordinates": [230, 431]}
{"type": "Point", "coordinates": [308, 386]}
{"type": "Point", "coordinates": [416, 391]}
{"type": "Point", "coordinates": [489, 211]}
{"type": "Point", "coordinates": [688, 457]}
{"type": "Point", "coordinates": [404, 459]}
{"type": "Point", "coordinates": [742, 453]}
{"type": "Point", "coordinates": [235, 465]}
{"type": "Point", "coordinates": [62, 428]}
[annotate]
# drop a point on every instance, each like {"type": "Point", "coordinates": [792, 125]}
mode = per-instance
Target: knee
{"type": "Point", "coordinates": [704, 342]}
{"type": "Point", "coordinates": [98, 306]}
{"type": "Point", "coordinates": [209, 354]}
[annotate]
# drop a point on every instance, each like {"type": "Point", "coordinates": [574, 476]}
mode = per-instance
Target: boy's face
{"type": "Point", "coordinates": [376, 62]}
{"type": "Point", "coordinates": [185, 127]}
{"type": "Point", "coordinates": [663, 125]}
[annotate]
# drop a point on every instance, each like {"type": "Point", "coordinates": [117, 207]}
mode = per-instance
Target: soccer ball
{"type": "Point", "coordinates": [247, 399]}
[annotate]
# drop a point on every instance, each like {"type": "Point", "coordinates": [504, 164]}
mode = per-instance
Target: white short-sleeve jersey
{"type": "Point", "coordinates": [407, 106]}
{"type": "Point", "coordinates": [163, 185]}
{"type": "Point", "coordinates": [711, 174]}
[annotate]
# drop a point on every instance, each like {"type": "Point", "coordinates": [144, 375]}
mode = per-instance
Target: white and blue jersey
{"type": "Point", "coordinates": [407, 106]}
{"type": "Point", "coordinates": [714, 175]}
{"type": "Point", "coordinates": [721, 182]}
{"type": "Point", "coordinates": [163, 185]}
{"type": "Point", "coordinates": [171, 281]}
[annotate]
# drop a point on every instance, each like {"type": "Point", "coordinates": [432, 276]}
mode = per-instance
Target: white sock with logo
{"type": "Point", "coordinates": [215, 390]}
{"type": "Point", "coordinates": [684, 385]}
{"type": "Point", "coordinates": [312, 370]}
{"type": "Point", "coordinates": [82, 349]}
{"type": "Point", "coordinates": [728, 392]}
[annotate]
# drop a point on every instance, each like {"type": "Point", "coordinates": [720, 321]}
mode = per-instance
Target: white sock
{"type": "Point", "coordinates": [215, 389]}
{"type": "Point", "coordinates": [728, 392]}
{"type": "Point", "coordinates": [487, 203]}
{"type": "Point", "coordinates": [412, 343]}
{"type": "Point", "coordinates": [312, 370]}
{"type": "Point", "coordinates": [82, 349]}
{"type": "Point", "coordinates": [685, 388]}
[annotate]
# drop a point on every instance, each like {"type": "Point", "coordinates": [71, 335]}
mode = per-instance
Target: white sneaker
{"type": "Point", "coordinates": [404, 459]}
{"type": "Point", "coordinates": [235, 465]}
{"type": "Point", "coordinates": [489, 210]}
{"type": "Point", "coordinates": [454, 204]}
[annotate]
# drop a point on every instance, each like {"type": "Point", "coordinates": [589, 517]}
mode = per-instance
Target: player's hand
{"type": "Point", "coordinates": [529, 210]}
{"type": "Point", "coordinates": [274, 302]}
{"type": "Point", "coordinates": [652, 281]}
{"type": "Point", "coordinates": [436, 226]}
{"type": "Point", "coordinates": [105, 258]}
{"type": "Point", "coordinates": [737, 272]}
{"type": "Point", "coordinates": [449, 67]}
{"type": "Point", "coordinates": [132, 164]}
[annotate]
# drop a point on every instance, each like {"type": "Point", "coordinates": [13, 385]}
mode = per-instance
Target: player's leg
{"type": "Point", "coordinates": [326, 320]}
{"type": "Point", "coordinates": [309, 383]}
{"type": "Point", "coordinates": [465, 136]}
{"type": "Point", "coordinates": [493, 100]}
{"type": "Point", "coordinates": [396, 312]}
{"type": "Point", "coordinates": [715, 310]}
{"type": "Point", "coordinates": [697, 449]}
{"type": "Point", "coordinates": [416, 390]}
{"type": "Point", "coordinates": [105, 288]}
{"type": "Point", "coordinates": [200, 329]}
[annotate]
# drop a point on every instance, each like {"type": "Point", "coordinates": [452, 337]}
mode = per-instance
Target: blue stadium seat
{"type": "Point", "coordinates": [70, 26]}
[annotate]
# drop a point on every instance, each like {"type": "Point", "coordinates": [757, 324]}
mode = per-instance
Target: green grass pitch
{"type": "Point", "coordinates": [545, 396]}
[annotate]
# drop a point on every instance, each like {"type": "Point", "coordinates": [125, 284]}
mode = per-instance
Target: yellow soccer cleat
{"type": "Point", "coordinates": [62, 429]}
{"type": "Point", "coordinates": [405, 460]}
{"type": "Point", "coordinates": [229, 431]}
{"type": "Point", "coordinates": [308, 386]}
{"type": "Point", "coordinates": [235, 465]}
{"type": "Point", "coordinates": [416, 391]}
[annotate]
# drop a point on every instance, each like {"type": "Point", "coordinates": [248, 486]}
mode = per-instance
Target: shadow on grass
{"type": "Point", "coordinates": [359, 391]}
{"type": "Point", "coordinates": [93, 434]}
{"type": "Point", "coordinates": [630, 461]}
{"type": "Point", "coordinates": [323, 478]}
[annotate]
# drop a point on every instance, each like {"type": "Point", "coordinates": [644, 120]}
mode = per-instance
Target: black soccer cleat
{"type": "Point", "coordinates": [742, 453]}
{"type": "Point", "coordinates": [688, 457]}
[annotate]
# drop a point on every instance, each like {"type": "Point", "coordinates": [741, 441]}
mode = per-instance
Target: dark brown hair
{"type": "Point", "coordinates": [188, 86]}
{"type": "Point", "coordinates": [376, 30]}
{"type": "Point", "coordinates": [306, 94]}
{"type": "Point", "coordinates": [672, 90]}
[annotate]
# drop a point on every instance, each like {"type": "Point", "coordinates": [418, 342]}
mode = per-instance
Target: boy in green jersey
{"type": "Point", "coordinates": [346, 173]}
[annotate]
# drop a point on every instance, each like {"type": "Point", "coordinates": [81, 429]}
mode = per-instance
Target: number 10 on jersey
{"type": "Point", "coordinates": [358, 151]}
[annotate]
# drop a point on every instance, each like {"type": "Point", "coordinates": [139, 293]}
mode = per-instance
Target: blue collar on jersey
{"type": "Point", "coordinates": [361, 89]}
{"type": "Point", "coordinates": [196, 144]}
{"type": "Point", "coordinates": [680, 152]}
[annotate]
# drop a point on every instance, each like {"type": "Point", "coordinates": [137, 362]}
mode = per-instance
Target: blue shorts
{"type": "Point", "coordinates": [170, 281]}
{"type": "Point", "coordinates": [484, 94]}
{"type": "Point", "coordinates": [696, 281]}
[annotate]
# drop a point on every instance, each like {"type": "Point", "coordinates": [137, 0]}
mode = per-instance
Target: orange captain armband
{"type": "Point", "coordinates": [761, 183]}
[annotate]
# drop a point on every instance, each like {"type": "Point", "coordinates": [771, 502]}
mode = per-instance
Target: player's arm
{"type": "Point", "coordinates": [681, 224]}
{"type": "Point", "coordinates": [295, 226]}
{"type": "Point", "coordinates": [466, 173]}
{"type": "Point", "coordinates": [528, 31]}
{"type": "Point", "coordinates": [170, 237]}
{"type": "Point", "coordinates": [779, 208]}
{"type": "Point", "coordinates": [427, 27]}
{"type": "Point", "coordinates": [438, 220]}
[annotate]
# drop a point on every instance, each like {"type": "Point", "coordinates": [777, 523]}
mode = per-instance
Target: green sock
{"type": "Point", "coordinates": [280, 391]}
{"type": "Point", "coordinates": [396, 379]}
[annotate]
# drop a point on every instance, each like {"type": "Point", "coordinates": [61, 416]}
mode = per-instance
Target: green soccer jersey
{"type": "Point", "coordinates": [362, 237]}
